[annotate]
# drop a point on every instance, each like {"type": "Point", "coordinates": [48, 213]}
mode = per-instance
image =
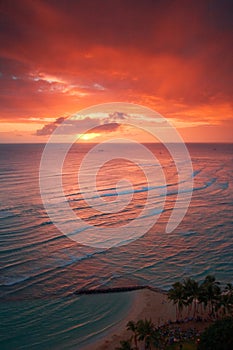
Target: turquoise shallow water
{"type": "Point", "coordinates": [41, 268]}
{"type": "Point", "coordinates": [60, 323]}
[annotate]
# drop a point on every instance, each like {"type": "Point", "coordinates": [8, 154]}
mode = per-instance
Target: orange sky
{"type": "Point", "coordinates": [57, 57]}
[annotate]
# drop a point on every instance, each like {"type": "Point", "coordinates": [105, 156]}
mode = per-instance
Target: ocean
{"type": "Point", "coordinates": [41, 267]}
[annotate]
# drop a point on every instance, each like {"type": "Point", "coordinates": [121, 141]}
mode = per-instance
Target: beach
{"type": "Point", "coordinates": [146, 303]}
{"type": "Point", "coordinates": [149, 303]}
{"type": "Point", "coordinates": [42, 268]}
{"type": "Point", "coordinates": [116, 173]}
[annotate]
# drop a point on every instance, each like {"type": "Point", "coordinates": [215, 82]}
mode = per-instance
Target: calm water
{"type": "Point", "coordinates": [41, 268]}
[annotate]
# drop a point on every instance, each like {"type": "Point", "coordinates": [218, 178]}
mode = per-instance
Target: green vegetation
{"type": "Point", "coordinates": [186, 346]}
{"type": "Point", "coordinates": [125, 345]}
{"type": "Point", "coordinates": [196, 298]}
{"type": "Point", "coordinates": [146, 336]}
{"type": "Point", "coordinates": [207, 296]}
{"type": "Point", "coordinates": [143, 331]}
{"type": "Point", "coordinates": [219, 336]}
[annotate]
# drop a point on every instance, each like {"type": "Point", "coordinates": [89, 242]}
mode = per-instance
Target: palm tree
{"type": "Point", "coordinates": [212, 291]}
{"type": "Point", "coordinates": [229, 289]}
{"type": "Point", "coordinates": [202, 297]}
{"type": "Point", "coordinates": [176, 294]}
{"type": "Point", "coordinates": [191, 293]}
{"type": "Point", "coordinates": [125, 345]}
{"type": "Point", "coordinates": [132, 326]}
{"type": "Point", "coordinates": [222, 304]}
{"type": "Point", "coordinates": [147, 332]}
{"type": "Point", "coordinates": [228, 292]}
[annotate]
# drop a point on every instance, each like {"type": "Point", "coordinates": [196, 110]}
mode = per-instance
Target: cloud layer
{"type": "Point", "coordinates": [174, 56]}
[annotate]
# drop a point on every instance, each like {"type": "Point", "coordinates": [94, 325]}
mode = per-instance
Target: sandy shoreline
{"type": "Point", "coordinates": [146, 304]}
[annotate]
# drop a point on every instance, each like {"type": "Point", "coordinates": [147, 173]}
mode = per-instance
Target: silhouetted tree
{"type": "Point", "coordinates": [132, 326]}
{"type": "Point", "coordinates": [219, 336]}
{"type": "Point", "coordinates": [125, 345]}
{"type": "Point", "coordinates": [147, 333]}
{"type": "Point", "coordinates": [191, 293]}
{"type": "Point", "coordinates": [212, 291]}
{"type": "Point", "coordinates": [177, 296]}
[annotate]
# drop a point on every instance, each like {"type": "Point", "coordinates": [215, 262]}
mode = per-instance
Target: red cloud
{"type": "Point", "coordinates": [49, 128]}
{"type": "Point", "coordinates": [173, 56]}
{"type": "Point", "coordinates": [78, 126]}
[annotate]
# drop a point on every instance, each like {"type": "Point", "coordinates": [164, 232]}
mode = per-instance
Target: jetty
{"type": "Point", "coordinates": [116, 290]}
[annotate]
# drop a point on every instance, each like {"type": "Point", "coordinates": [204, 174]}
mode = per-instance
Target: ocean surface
{"type": "Point", "coordinates": [41, 268]}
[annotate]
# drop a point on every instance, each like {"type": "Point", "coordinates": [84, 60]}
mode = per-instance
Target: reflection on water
{"type": "Point", "coordinates": [42, 268]}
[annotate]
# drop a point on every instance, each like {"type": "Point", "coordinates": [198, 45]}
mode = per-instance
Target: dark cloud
{"type": "Point", "coordinates": [106, 128]}
{"type": "Point", "coordinates": [125, 50]}
{"type": "Point", "coordinates": [172, 26]}
{"type": "Point", "coordinates": [48, 129]}
{"type": "Point", "coordinates": [118, 116]}
{"type": "Point", "coordinates": [78, 126]}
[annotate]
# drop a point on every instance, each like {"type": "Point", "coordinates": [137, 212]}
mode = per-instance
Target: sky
{"type": "Point", "coordinates": [173, 56]}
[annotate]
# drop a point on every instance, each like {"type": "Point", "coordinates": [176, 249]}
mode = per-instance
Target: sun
{"type": "Point", "coordinates": [88, 136]}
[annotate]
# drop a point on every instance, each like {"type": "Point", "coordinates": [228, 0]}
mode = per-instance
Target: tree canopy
{"type": "Point", "coordinates": [219, 336]}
